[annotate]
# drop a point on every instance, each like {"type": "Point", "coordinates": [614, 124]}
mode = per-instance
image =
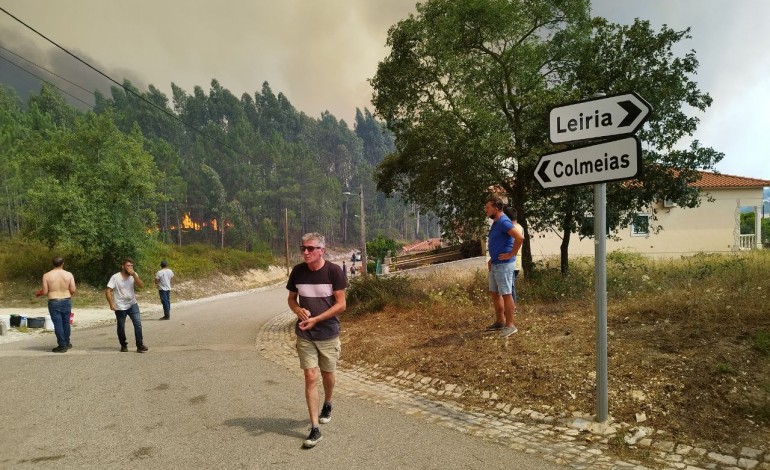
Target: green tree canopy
{"type": "Point", "coordinates": [467, 87]}
{"type": "Point", "coordinates": [92, 190]}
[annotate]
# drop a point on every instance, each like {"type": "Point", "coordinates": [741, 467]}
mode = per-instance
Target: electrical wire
{"type": "Point", "coordinates": [46, 81]}
{"type": "Point", "coordinates": [49, 71]}
{"type": "Point", "coordinates": [128, 90]}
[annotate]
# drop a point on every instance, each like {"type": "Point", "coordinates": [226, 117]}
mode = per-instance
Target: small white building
{"type": "Point", "coordinates": [712, 227]}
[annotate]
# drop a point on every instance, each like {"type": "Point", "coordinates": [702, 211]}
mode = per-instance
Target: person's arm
{"type": "Point", "coordinates": [301, 313]}
{"type": "Point", "coordinates": [110, 301]}
{"type": "Point", "coordinates": [518, 239]}
{"type": "Point", "coordinates": [339, 306]}
{"type": "Point", "coordinates": [44, 289]}
{"type": "Point", "coordinates": [71, 286]}
{"type": "Point", "coordinates": [157, 280]}
{"type": "Point", "coordinates": [137, 282]}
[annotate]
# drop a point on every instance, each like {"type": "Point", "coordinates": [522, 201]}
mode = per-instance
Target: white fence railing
{"type": "Point", "coordinates": [747, 242]}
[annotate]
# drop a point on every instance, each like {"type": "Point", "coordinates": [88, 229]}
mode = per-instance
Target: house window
{"type": "Point", "coordinates": [640, 226]}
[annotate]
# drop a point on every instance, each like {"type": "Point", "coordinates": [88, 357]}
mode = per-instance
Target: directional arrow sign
{"type": "Point", "coordinates": [599, 117]}
{"type": "Point", "coordinates": [615, 160]}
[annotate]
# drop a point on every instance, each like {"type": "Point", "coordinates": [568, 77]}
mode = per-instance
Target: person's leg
{"type": "Point", "coordinates": [328, 355]}
{"type": "Point", "coordinates": [65, 315]}
{"type": "Point", "coordinates": [133, 313]}
{"type": "Point", "coordinates": [120, 316]}
{"type": "Point", "coordinates": [165, 300]}
{"type": "Point", "coordinates": [308, 361]}
{"type": "Point", "coordinates": [58, 328]}
{"type": "Point", "coordinates": [311, 395]}
{"type": "Point", "coordinates": [509, 307]}
{"type": "Point", "coordinates": [497, 301]}
{"type": "Point", "coordinates": [504, 277]}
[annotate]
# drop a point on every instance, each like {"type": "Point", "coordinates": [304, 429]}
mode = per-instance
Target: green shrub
{"type": "Point", "coordinates": [368, 294]}
{"type": "Point", "coordinates": [761, 342]}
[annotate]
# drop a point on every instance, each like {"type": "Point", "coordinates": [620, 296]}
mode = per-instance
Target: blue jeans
{"type": "Point", "coordinates": [60, 310]}
{"type": "Point", "coordinates": [133, 313]}
{"type": "Point", "coordinates": [165, 300]}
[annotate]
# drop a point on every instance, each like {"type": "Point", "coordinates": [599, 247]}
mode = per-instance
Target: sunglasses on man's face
{"type": "Point", "coordinates": [310, 249]}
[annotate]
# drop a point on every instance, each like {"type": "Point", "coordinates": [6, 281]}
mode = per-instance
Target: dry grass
{"type": "Point", "coordinates": [689, 341]}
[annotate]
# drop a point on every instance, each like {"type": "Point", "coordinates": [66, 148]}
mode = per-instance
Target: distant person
{"type": "Point", "coordinates": [121, 296]}
{"type": "Point", "coordinates": [163, 283]}
{"type": "Point", "coordinates": [317, 297]}
{"type": "Point", "coordinates": [505, 240]}
{"type": "Point", "coordinates": [345, 271]}
{"type": "Point", "coordinates": [59, 287]}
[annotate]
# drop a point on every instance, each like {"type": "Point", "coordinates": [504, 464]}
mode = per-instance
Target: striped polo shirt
{"type": "Point", "coordinates": [316, 293]}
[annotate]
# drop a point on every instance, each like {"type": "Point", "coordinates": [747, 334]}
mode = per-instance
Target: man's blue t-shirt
{"type": "Point", "coordinates": [499, 240]}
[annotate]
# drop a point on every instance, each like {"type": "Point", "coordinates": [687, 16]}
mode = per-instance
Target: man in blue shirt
{"type": "Point", "coordinates": [505, 239]}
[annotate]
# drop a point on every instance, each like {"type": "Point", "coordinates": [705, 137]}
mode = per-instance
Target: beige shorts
{"type": "Point", "coordinates": [322, 354]}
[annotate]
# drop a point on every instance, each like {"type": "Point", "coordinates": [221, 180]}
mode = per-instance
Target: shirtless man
{"type": "Point", "coordinates": [59, 287]}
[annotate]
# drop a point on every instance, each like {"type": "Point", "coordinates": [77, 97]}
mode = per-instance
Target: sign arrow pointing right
{"type": "Point", "coordinates": [632, 110]}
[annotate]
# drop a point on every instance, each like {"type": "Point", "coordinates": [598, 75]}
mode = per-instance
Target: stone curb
{"type": "Point", "coordinates": [572, 439]}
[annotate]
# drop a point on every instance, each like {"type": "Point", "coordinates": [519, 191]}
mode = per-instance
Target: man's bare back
{"type": "Point", "coordinates": [58, 284]}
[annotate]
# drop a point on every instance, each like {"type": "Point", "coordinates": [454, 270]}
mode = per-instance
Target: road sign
{"type": "Point", "coordinates": [601, 117]}
{"type": "Point", "coordinates": [614, 160]}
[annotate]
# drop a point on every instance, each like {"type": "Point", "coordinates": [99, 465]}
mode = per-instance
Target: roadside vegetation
{"type": "Point", "coordinates": [22, 263]}
{"type": "Point", "coordinates": [689, 340]}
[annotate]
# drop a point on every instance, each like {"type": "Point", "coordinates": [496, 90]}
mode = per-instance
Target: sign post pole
{"type": "Point", "coordinates": [600, 298]}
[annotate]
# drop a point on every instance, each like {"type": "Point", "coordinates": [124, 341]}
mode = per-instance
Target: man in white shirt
{"type": "Point", "coordinates": [163, 282]}
{"type": "Point", "coordinates": [121, 296]}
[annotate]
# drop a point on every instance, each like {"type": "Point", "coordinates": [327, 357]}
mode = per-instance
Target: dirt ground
{"type": "Point", "coordinates": [701, 384]}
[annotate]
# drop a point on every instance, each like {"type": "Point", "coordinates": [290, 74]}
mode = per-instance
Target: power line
{"type": "Point", "coordinates": [49, 71]}
{"type": "Point", "coordinates": [46, 81]}
{"type": "Point", "coordinates": [128, 90]}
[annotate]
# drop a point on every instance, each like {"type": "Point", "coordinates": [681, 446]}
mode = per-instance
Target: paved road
{"type": "Point", "coordinates": [203, 397]}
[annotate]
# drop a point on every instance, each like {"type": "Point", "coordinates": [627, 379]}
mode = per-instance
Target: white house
{"type": "Point", "coordinates": [712, 227]}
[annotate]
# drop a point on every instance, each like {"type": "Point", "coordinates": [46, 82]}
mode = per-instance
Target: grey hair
{"type": "Point", "coordinates": [315, 236]}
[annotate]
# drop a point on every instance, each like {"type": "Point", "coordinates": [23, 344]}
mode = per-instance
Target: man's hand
{"type": "Point", "coordinates": [38, 292]}
{"type": "Point", "coordinates": [308, 323]}
{"type": "Point", "coordinates": [303, 314]}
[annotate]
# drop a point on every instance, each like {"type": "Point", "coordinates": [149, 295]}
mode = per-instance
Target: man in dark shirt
{"type": "Point", "coordinates": [317, 297]}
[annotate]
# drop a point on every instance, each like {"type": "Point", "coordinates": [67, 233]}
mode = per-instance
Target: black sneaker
{"type": "Point", "coordinates": [313, 438]}
{"type": "Point", "coordinates": [495, 326]}
{"type": "Point", "coordinates": [326, 413]}
{"type": "Point", "coordinates": [124, 348]}
{"type": "Point", "coordinates": [59, 349]}
{"type": "Point", "coordinates": [69, 345]}
{"type": "Point", "coordinates": [141, 348]}
{"type": "Point", "coordinates": [164, 318]}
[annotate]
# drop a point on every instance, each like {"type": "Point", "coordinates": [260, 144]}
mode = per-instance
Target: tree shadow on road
{"type": "Point", "coordinates": [259, 426]}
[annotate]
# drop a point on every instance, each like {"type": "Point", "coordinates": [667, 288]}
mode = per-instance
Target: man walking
{"type": "Point", "coordinates": [163, 282]}
{"type": "Point", "coordinates": [505, 240]}
{"type": "Point", "coordinates": [317, 297]}
{"type": "Point", "coordinates": [121, 296]}
{"type": "Point", "coordinates": [59, 287]}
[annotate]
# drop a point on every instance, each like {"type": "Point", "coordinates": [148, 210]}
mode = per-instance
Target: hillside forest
{"type": "Point", "coordinates": [201, 167]}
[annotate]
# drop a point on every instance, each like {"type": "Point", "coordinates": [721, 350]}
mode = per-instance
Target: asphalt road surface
{"type": "Point", "coordinates": [203, 397]}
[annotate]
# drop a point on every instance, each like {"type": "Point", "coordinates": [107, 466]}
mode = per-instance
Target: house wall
{"type": "Point", "coordinates": [711, 227]}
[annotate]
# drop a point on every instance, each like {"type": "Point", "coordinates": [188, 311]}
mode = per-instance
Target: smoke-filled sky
{"type": "Point", "coordinates": [321, 53]}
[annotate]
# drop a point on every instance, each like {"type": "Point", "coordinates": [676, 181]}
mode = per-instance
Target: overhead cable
{"type": "Point", "coordinates": [45, 81]}
{"type": "Point", "coordinates": [128, 90]}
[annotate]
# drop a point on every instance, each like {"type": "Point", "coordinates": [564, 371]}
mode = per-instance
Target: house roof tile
{"type": "Point", "coordinates": [716, 181]}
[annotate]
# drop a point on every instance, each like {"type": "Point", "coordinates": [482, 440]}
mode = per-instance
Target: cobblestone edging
{"type": "Point", "coordinates": [573, 439]}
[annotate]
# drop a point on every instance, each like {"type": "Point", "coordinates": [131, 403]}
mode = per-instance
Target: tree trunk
{"type": "Point", "coordinates": [564, 248]}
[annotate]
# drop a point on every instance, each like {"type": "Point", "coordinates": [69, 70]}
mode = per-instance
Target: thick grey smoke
{"type": "Point", "coordinates": [17, 46]}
